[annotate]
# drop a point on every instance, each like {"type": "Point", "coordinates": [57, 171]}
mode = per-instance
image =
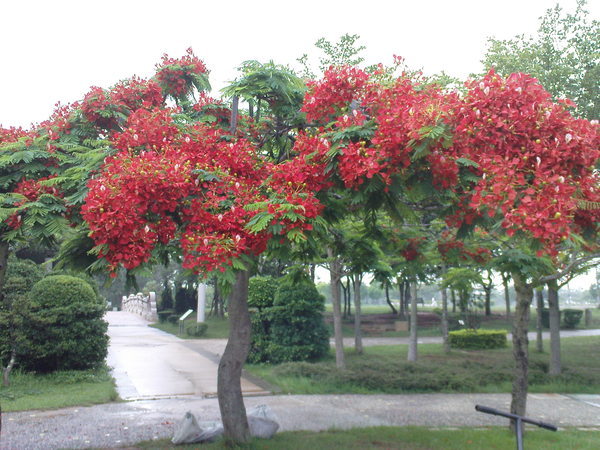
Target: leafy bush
{"type": "Point", "coordinates": [477, 339]}
{"type": "Point", "coordinates": [197, 329]}
{"type": "Point", "coordinates": [571, 317]}
{"type": "Point", "coordinates": [293, 328]}
{"type": "Point", "coordinates": [163, 315]}
{"type": "Point", "coordinates": [21, 275]}
{"type": "Point", "coordinates": [261, 292]}
{"type": "Point", "coordinates": [64, 327]}
{"type": "Point", "coordinates": [173, 318]}
{"type": "Point", "coordinates": [166, 298]}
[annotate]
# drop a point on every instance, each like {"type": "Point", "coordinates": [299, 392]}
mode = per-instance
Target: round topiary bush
{"type": "Point", "coordinates": [293, 328]}
{"type": "Point", "coordinates": [261, 292]}
{"type": "Point", "coordinates": [21, 275]}
{"type": "Point", "coordinates": [65, 329]}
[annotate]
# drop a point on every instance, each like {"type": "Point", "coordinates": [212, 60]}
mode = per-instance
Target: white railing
{"type": "Point", "coordinates": [143, 306]}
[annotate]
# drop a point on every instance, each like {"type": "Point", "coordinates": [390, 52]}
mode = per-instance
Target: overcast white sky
{"type": "Point", "coordinates": [55, 50]}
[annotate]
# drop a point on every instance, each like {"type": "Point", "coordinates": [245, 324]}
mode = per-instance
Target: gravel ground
{"type": "Point", "coordinates": [123, 424]}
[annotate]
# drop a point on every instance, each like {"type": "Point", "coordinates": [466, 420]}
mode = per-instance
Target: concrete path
{"type": "Point", "coordinates": [123, 424]}
{"type": "Point", "coordinates": [149, 363]}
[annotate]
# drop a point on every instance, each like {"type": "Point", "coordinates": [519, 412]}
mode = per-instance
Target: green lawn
{"type": "Point", "coordinates": [416, 438]}
{"type": "Point", "coordinates": [57, 390]}
{"type": "Point", "coordinates": [217, 328]}
{"type": "Point", "coordinates": [384, 369]}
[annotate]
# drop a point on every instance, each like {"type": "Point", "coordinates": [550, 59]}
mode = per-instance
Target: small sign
{"type": "Point", "coordinates": [187, 314]}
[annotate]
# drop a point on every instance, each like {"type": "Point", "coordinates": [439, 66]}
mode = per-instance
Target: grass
{"type": "Point", "coordinates": [418, 438]}
{"type": "Point", "coordinates": [217, 328]}
{"type": "Point", "coordinates": [384, 369]}
{"type": "Point", "coordinates": [57, 390]}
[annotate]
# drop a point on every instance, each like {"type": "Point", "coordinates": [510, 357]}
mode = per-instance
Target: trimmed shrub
{"type": "Point", "coordinates": [477, 339]}
{"type": "Point", "coordinates": [293, 328]}
{"type": "Point", "coordinates": [261, 292]}
{"type": "Point", "coordinates": [21, 275]}
{"type": "Point", "coordinates": [197, 329]}
{"type": "Point", "coordinates": [163, 315]}
{"type": "Point", "coordinates": [571, 317]}
{"type": "Point", "coordinates": [173, 318]}
{"type": "Point", "coordinates": [64, 327]}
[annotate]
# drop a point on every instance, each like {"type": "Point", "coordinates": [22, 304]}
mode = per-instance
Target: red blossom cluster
{"type": "Point", "coordinates": [150, 129]}
{"type": "Point", "coordinates": [31, 190]}
{"type": "Point", "coordinates": [136, 93]}
{"type": "Point", "coordinates": [59, 122]}
{"type": "Point", "coordinates": [331, 96]}
{"type": "Point", "coordinates": [536, 161]}
{"type": "Point", "coordinates": [453, 250]}
{"type": "Point", "coordinates": [411, 250]}
{"type": "Point", "coordinates": [175, 75]}
{"type": "Point", "coordinates": [12, 134]}
{"type": "Point", "coordinates": [193, 188]}
{"type": "Point", "coordinates": [212, 106]}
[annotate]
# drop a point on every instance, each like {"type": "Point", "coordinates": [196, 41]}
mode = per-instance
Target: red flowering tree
{"type": "Point", "coordinates": [503, 156]}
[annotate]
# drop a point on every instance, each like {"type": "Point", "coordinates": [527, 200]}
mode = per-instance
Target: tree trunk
{"type": "Point", "coordinates": [506, 296]}
{"type": "Point", "coordinates": [520, 346]}
{"type": "Point", "coordinates": [345, 310]}
{"type": "Point", "coordinates": [445, 320]}
{"type": "Point", "coordinates": [554, 312]}
{"type": "Point", "coordinates": [8, 369]}
{"type": "Point", "coordinates": [387, 299]}
{"type": "Point", "coordinates": [348, 296]}
{"type": "Point", "coordinates": [229, 387]}
{"type": "Point", "coordinates": [539, 303]}
{"type": "Point", "coordinates": [488, 302]}
{"type": "Point", "coordinates": [412, 343]}
{"type": "Point", "coordinates": [335, 272]}
{"type": "Point", "coordinates": [358, 345]}
{"type": "Point", "coordinates": [402, 291]}
{"type": "Point", "coordinates": [453, 298]}
{"type": "Point", "coordinates": [4, 250]}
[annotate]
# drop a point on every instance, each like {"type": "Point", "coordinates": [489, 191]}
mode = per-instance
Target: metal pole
{"type": "Point", "coordinates": [519, 431]}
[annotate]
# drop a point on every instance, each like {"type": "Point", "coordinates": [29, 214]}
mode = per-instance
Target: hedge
{"type": "Point", "coordinates": [477, 339]}
{"type": "Point", "coordinates": [571, 317]}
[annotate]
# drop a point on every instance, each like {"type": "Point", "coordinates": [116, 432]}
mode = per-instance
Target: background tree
{"type": "Point", "coordinates": [564, 56]}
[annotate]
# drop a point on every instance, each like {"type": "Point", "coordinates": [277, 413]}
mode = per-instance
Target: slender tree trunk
{"type": "Point", "coordinates": [453, 298]}
{"type": "Point", "coordinates": [520, 345]}
{"type": "Point", "coordinates": [412, 343]}
{"type": "Point", "coordinates": [335, 272]}
{"type": "Point", "coordinates": [402, 291]}
{"type": "Point", "coordinates": [348, 294]}
{"type": "Point", "coordinates": [387, 299]}
{"type": "Point", "coordinates": [358, 344]}
{"type": "Point", "coordinates": [506, 296]}
{"type": "Point", "coordinates": [8, 369]}
{"type": "Point", "coordinates": [229, 386]}
{"type": "Point", "coordinates": [445, 320]}
{"type": "Point", "coordinates": [4, 251]}
{"type": "Point", "coordinates": [488, 302]}
{"type": "Point", "coordinates": [554, 312]}
{"type": "Point", "coordinates": [345, 296]}
{"type": "Point", "coordinates": [539, 304]}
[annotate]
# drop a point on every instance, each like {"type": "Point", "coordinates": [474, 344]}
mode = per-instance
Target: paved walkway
{"type": "Point", "coordinates": [149, 363]}
{"type": "Point", "coordinates": [165, 376]}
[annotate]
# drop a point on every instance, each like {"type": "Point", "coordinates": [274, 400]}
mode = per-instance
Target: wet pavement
{"type": "Point", "coordinates": [149, 363]}
{"type": "Point", "coordinates": [163, 377]}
